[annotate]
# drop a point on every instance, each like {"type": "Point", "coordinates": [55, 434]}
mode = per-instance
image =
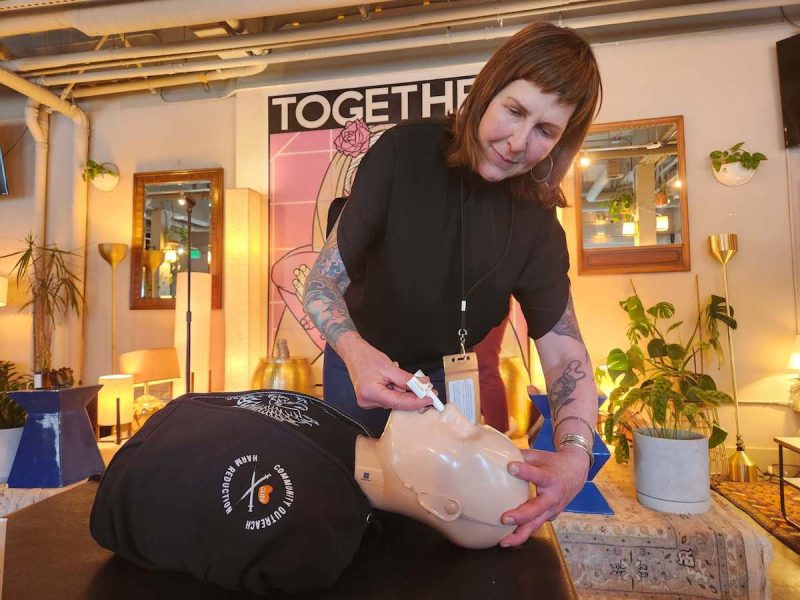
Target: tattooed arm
{"type": "Point", "coordinates": [377, 381]}
{"type": "Point", "coordinates": [558, 477]}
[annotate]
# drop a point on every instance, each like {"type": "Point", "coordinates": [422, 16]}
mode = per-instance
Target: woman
{"type": "Point", "coordinates": [451, 214]}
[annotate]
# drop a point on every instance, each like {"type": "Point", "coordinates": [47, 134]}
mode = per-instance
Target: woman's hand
{"type": "Point", "coordinates": [377, 381]}
{"type": "Point", "coordinates": [558, 477]}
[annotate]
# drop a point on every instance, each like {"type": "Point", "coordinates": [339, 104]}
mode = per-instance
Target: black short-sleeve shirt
{"type": "Point", "coordinates": [400, 239]}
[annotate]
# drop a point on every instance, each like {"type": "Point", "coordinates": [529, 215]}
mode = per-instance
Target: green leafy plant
{"type": "Point", "coordinates": [620, 207]}
{"type": "Point", "coordinates": [658, 382]}
{"type": "Point", "coordinates": [93, 169]}
{"type": "Point", "coordinates": [11, 414]}
{"type": "Point", "coordinates": [736, 154]}
{"type": "Point", "coordinates": [53, 284]}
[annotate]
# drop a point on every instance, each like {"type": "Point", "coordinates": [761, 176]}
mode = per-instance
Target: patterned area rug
{"type": "Point", "coordinates": [762, 501]}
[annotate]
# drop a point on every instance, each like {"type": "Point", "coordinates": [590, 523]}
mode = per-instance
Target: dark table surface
{"type": "Point", "coordinates": [50, 554]}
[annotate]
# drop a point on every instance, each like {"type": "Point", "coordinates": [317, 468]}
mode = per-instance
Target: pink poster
{"type": "Point", "coordinates": [316, 142]}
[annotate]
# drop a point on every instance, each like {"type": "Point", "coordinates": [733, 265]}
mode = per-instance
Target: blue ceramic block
{"type": "Point", "coordinates": [589, 500]}
{"type": "Point", "coordinates": [57, 446]}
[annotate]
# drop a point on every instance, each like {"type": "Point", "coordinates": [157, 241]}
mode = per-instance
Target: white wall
{"type": "Point", "coordinates": [725, 85]}
{"type": "Point", "coordinates": [136, 135]}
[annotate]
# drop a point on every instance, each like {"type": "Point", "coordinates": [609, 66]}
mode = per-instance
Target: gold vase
{"type": "Point", "coordinates": [284, 372]}
{"type": "Point", "coordinates": [515, 380]}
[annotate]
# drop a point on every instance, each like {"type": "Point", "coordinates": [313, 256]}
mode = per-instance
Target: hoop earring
{"type": "Point", "coordinates": [550, 172]}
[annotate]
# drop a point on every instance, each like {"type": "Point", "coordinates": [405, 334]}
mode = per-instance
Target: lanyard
{"type": "Point", "coordinates": [462, 332]}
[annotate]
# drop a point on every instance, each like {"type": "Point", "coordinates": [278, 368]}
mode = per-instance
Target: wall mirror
{"type": "Point", "coordinates": [631, 203]}
{"type": "Point", "coordinates": [160, 247]}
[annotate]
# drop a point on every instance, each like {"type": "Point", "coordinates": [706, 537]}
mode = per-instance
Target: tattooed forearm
{"type": "Point", "coordinates": [568, 324]}
{"type": "Point", "coordinates": [562, 388]}
{"type": "Point", "coordinates": [324, 293]}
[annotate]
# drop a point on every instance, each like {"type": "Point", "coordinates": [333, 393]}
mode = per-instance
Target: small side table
{"type": "Point", "coordinates": [57, 446]}
{"type": "Point", "coordinates": [792, 444]}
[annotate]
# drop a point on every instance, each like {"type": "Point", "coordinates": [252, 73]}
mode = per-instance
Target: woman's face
{"type": "Point", "coordinates": [518, 129]}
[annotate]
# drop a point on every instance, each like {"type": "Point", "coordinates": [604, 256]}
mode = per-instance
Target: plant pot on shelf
{"type": "Point", "coordinates": [672, 475]}
{"type": "Point", "coordinates": [9, 442]}
{"type": "Point", "coordinates": [733, 174]}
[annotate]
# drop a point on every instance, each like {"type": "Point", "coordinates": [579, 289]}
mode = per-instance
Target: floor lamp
{"type": "Point", "coordinates": [113, 254]}
{"type": "Point", "coordinates": [723, 247]}
{"type": "Point", "coordinates": [189, 203]}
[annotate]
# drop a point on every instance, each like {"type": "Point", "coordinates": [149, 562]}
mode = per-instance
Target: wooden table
{"type": "Point", "coordinates": [793, 445]}
{"type": "Point", "coordinates": [50, 555]}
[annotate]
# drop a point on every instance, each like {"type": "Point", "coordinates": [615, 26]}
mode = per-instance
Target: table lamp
{"type": "Point", "coordinates": [794, 368]}
{"type": "Point", "coordinates": [3, 290]}
{"type": "Point", "coordinates": [723, 247]}
{"type": "Point", "coordinates": [115, 403]}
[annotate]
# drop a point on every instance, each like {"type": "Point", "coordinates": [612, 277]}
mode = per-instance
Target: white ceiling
{"type": "Point", "coordinates": [87, 48]}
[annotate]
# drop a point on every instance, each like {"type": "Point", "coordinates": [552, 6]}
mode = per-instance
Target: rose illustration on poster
{"type": "Point", "coordinates": [289, 273]}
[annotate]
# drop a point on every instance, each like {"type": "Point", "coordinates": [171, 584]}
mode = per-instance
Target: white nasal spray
{"type": "Point", "coordinates": [424, 389]}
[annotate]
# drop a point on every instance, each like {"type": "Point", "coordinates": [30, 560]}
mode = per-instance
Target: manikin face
{"type": "Point", "coordinates": [458, 471]}
{"type": "Point", "coordinates": [518, 129]}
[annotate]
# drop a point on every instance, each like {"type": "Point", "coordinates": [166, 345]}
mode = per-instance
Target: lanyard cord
{"type": "Point", "coordinates": [462, 333]}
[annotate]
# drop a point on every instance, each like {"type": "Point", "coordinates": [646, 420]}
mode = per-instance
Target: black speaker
{"type": "Point", "coordinates": [789, 76]}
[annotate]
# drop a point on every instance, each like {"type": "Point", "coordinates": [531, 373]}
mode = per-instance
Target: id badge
{"type": "Point", "coordinates": [463, 384]}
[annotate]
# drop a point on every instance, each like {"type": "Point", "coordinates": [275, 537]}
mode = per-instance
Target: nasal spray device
{"type": "Point", "coordinates": [423, 390]}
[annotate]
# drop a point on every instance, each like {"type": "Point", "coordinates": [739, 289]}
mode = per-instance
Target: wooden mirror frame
{"type": "Point", "coordinates": [216, 180]}
{"type": "Point", "coordinates": [638, 259]}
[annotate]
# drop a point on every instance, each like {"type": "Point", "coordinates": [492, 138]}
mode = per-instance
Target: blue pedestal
{"type": "Point", "coordinates": [589, 500]}
{"type": "Point", "coordinates": [57, 446]}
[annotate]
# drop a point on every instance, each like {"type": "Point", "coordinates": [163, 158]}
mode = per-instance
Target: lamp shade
{"type": "Point", "coordinates": [794, 359]}
{"type": "Point", "coordinates": [3, 290]}
{"type": "Point", "coordinates": [628, 228]}
{"type": "Point", "coordinates": [115, 386]}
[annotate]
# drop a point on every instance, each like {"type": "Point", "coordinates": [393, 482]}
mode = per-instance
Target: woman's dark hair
{"type": "Point", "coordinates": [558, 61]}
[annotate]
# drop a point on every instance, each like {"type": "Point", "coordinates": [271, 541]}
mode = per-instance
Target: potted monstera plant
{"type": "Point", "coordinates": [50, 276]}
{"type": "Point", "coordinates": [12, 416]}
{"type": "Point", "coordinates": [666, 405]}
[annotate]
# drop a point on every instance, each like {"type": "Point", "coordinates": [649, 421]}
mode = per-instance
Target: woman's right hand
{"type": "Point", "coordinates": [377, 381]}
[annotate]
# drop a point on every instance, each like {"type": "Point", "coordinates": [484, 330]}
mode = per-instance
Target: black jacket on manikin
{"type": "Point", "coordinates": [250, 491]}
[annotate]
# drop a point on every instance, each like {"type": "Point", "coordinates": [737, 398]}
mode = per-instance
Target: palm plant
{"type": "Point", "coordinates": [50, 278]}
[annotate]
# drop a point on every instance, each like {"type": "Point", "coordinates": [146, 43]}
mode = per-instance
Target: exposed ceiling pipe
{"type": "Point", "coordinates": [38, 121]}
{"type": "Point", "coordinates": [156, 14]}
{"type": "Point", "coordinates": [433, 17]}
{"type": "Point", "coordinates": [311, 54]}
{"type": "Point", "coordinates": [161, 82]}
{"type": "Point", "coordinates": [80, 195]}
{"type": "Point", "coordinates": [9, 5]}
{"type": "Point", "coordinates": [356, 48]}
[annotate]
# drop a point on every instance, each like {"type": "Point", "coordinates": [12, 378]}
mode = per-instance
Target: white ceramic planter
{"type": "Point", "coordinates": [672, 475]}
{"type": "Point", "coordinates": [106, 182]}
{"type": "Point", "coordinates": [9, 442]}
{"type": "Point", "coordinates": [733, 174]}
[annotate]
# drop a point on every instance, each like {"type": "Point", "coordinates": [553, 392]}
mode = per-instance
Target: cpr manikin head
{"type": "Point", "coordinates": [438, 468]}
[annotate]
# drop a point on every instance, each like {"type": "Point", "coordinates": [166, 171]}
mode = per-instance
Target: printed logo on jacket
{"type": "Point", "coordinates": [256, 493]}
{"type": "Point", "coordinates": [284, 408]}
